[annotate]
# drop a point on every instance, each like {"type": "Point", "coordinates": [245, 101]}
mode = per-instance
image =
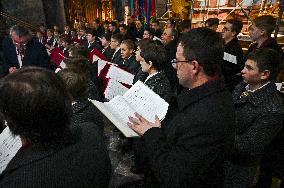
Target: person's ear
{"type": "Point", "coordinates": [265, 75]}
{"type": "Point", "coordinates": [150, 64]}
{"type": "Point", "coordinates": [195, 67]}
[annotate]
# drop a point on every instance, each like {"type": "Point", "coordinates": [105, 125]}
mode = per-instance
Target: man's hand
{"type": "Point", "coordinates": [12, 69]}
{"type": "Point", "coordinates": [140, 125]}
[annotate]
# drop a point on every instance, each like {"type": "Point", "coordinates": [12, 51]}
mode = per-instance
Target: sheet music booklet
{"type": "Point", "coordinates": [9, 146]}
{"type": "Point", "coordinates": [139, 98]}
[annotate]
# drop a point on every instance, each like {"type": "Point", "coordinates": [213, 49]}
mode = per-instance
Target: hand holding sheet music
{"type": "Point", "coordinates": [139, 98]}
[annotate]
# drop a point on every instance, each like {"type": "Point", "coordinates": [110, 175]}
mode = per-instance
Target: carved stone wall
{"type": "Point", "coordinates": [27, 10]}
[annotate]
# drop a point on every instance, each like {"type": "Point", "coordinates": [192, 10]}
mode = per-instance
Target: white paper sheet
{"type": "Point", "coordinates": [229, 57]}
{"type": "Point", "coordinates": [120, 75]}
{"type": "Point", "coordinates": [9, 146]}
{"type": "Point", "coordinates": [114, 88]}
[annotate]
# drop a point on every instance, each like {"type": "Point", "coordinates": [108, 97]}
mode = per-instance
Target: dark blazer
{"type": "Point", "coordinates": [131, 64]}
{"type": "Point", "coordinates": [269, 43]}
{"type": "Point", "coordinates": [107, 52]}
{"type": "Point", "coordinates": [117, 58]}
{"type": "Point", "coordinates": [188, 150]}
{"type": "Point", "coordinates": [35, 55]}
{"type": "Point", "coordinates": [85, 111]}
{"type": "Point", "coordinates": [229, 69]}
{"type": "Point", "coordinates": [259, 118]}
{"type": "Point", "coordinates": [140, 75]}
{"type": "Point", "coordinates": [160, 84]}
{"type": "Point", "coordinates": [93, 45]}
{"type": "Point", "coordinates": [83, 162]}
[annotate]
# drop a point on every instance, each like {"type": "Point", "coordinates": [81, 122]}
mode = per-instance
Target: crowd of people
{"type": "Point", "coordinates": [223, 128]}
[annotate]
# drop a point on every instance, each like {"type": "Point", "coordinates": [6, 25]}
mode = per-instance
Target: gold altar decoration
{"type": "Point", "coordinates": [180, 7]}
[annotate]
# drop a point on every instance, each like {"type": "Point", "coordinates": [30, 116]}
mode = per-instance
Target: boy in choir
{"type": "Point", "coordinates": [187, 150]}
{"type": "Point", "coordinates": [260, 32]}
{"type": "Point", "coordinates": [148, 34]}
{"type": "Point", "coordinates": [184, 26]}
{"type": "Point", "coordinates": [106, 50]}
{"type": "Point", "coordinates": [259, 116]}
{"type": "Point", "coordinates": [40, 38]}
{"type": "Point", "coordinates": [142, 45]}
{"type": "Point", "coordinates": [115, 42]}
{"type": "Point", "coordinates": [212, 23]}
{"type": "Point", "coordinates": [83, 36]}
{"type": "Point", "coordinates": [230, 67]}
{"type": "Point", "coordinates": [140, 29]}
{"type": "Point", "coordinates": [152, 61]}
{"type": "Point", "coordinates": [76, 81]}
{"type": "Point", "coordinates": [113, 28]}
{"type": "Point", "coordinates": [127, 52]}
{"type": "Point", "coordinates": [155, 25]}
{"type": "Point", "coordinates": [37, 108]}
{"type": "Point", "coordinates": [49, 39]}
{"type": "Point", "coordinates": [93, 40]}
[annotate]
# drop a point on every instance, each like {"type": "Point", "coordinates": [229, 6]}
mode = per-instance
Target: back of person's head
{"type": "Point", "coordinates": [36, 105]}
{"type": "Point", "coordinates": [107, 36]}
{"type": "Point", "coordinates": [79, 50]}
{"type": "Point", "coordinates": [129, 43]}
{"type": "Point", "coordinates": [174, 33]}
{"type": "Point", "coordinates": [185, 25]}
{"type": "Point", "coordinates": [79, 63]}
{"type": "Point", "coordinates": [117, 37]}
{"type": "Point", "coordinates": [212, 23]}
{"type": "Point", "coordinates": [206, 47]}
{"type": "Point", "coordinates": [266, 22]}
{"type": "Point", "coordinates": [93, 32]}
{"type": "Point", "coordinates": [266, 59]}
{"type": "Point", "coordinates": [237, 25]}
{"type": "Point", "coordinates": [76, 83]}
{"type": "Point", "coordinates": [144, 43]}
{"type": "Point", "coordinates": [155, 54]}
{"type": "Point", "coordinates": [113, 23]}
{"type": "Point", "coordinates": [19, 30]}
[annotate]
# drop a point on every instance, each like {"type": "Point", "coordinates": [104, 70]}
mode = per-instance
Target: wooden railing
{"type": "Point", "coordinates": [18, 21]}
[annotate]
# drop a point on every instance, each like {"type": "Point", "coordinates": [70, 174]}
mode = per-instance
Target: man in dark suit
{"type": "Point", "coordinates": [37, 108]}
{"type": "Point", "coordinates": [21, 50]}
{"type": "Point", "coordinates": [187, 150]}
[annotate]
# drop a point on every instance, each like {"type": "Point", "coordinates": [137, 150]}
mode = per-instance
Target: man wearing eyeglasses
{"type": "Point", "coordinates": [187, 149]}
{"type": "Point", "coordinates": [233, 56]}
{"type": "Point", "coordinates": [21, 50]}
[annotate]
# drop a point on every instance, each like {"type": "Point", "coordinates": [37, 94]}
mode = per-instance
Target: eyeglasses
{"type": "Point", "coordinates": [176, 61]}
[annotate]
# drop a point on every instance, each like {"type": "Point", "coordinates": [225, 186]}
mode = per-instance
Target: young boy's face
{"type": "Point", "coordinates": [114, 44]}
{"type": "Point", "coordinates": [251, 73]}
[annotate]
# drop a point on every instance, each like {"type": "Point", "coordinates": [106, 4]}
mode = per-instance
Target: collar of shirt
{"type": "Point", "coordinates": [251, 91]}
{"type": "Point", "coordinates": [150, 75]}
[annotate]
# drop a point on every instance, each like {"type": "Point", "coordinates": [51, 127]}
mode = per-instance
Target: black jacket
{"type": "Point", "coordinates": [259, 118]}
{"type": "Point", "coordinates": [85, 111]}
{"type": "Point", "coordinates": [117, 58]}
{"type": "Point", "coordinates": [83, 162]}
{"type": "Point", "coordinates": [160, 84]}
{"type": "Point", "coordinates": [131, 64]}
{"type": "Point", "coordinates": [35, 55]}
{"type": "Point", "coordinates": [107, 52]}
{"type": "Point", "coordinates": [229, 69]}
{"type": "Point", "coordinates": [188, 150]}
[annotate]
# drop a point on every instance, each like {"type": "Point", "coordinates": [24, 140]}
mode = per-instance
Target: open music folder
{"type": "Point", "coordinates": [139, 98]}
